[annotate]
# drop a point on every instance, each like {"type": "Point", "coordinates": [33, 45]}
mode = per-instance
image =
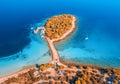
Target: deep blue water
{"type": "Point", "coordinates": [16, 17]}
{"type": "Point", "coordinates": [99, 20]}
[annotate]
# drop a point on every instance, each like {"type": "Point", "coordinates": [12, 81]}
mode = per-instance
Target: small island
{"type": "Point", "coordinates": [57, 26]}
{"type": "Point", "coordinates": [57, 71]}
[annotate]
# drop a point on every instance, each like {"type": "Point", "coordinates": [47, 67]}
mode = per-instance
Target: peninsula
{"type": "Point", "coordinates": [57, 71]}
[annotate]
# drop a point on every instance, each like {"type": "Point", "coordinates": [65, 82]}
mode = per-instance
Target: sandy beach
{"type": "Point", "coordinates": [58, 69]}
{"type": "Point", "coordinates": [2, 79]}
{"type": "Point", "coordinates": [54, 54]}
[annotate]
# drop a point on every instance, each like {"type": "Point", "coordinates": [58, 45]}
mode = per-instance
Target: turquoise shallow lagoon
{"type": "Point", "coordinates": [36, 52]}
{"type": "Point", "coordinates": [99, 21]}
{"type": "Point", "coordinates": [99, 49]}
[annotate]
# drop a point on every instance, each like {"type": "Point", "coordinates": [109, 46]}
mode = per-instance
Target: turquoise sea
{"type": "Point", "coordinates": [96, 40]}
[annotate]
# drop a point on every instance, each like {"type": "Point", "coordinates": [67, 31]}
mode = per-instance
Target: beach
{"type": "Point", "coordinates": [54, 53]}
{"type": "Point", "coordinates": [57, 66]}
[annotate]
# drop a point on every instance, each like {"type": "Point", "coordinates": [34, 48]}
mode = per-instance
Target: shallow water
{"type": "Point", "coordinates": [97, 20]}
{"type": "Point", "coordinates": [36, 52]}
{"type": "Point", "coordinates": [101, 48]}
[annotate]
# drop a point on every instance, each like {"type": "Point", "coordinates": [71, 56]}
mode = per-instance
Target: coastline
{"type": "Point", "coordinates": [64, 37]}
{"type": "Point", "coordinates": [54, 53]}
{"type": "Point", "coordinates": [49, 42]}
{"type": "Point", "coordinates": [71, 64]}
{"type": "Point", "coordinates": [25, 69]}
{"type": "Point", "coordinates": [67, 34]}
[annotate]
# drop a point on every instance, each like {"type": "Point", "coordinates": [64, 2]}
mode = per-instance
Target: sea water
{"type": "Point", "coordinates": [96, 40]}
